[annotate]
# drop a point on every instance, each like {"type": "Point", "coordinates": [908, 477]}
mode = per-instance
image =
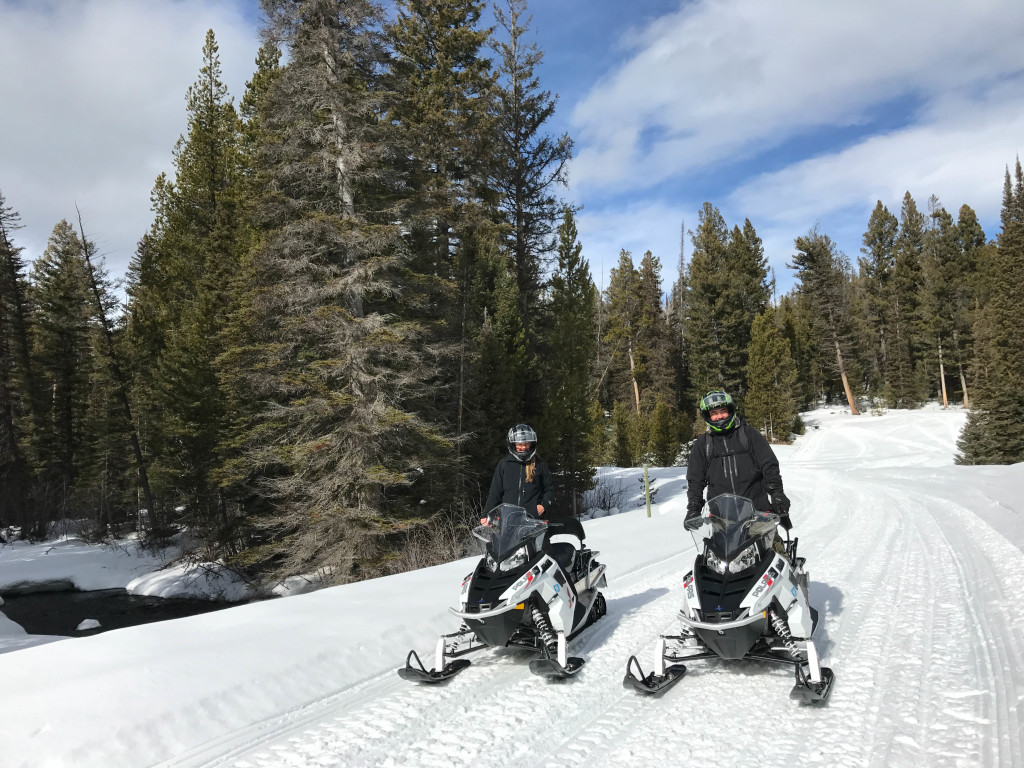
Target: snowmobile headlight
{"type": "Point", "coordinates": [715, 563]}
{"type": "Point", "coordinates": [744, 559]}
{"type": "Point", "coordinates": [491, 565]}
{"type": "Point", "coordinates": [516, 559]}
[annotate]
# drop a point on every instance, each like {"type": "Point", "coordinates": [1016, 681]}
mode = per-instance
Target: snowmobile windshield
{"type": "Point", "coordinates": [508, 527]}
{"type": "Point", "coordinates": [732, 525]}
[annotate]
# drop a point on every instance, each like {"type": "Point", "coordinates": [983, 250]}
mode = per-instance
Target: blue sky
{"type": "Point", "coordinates": [791, 113]}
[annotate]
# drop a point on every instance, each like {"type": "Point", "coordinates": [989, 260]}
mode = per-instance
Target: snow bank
{"type": "Point", "coordinates": [74, 563]}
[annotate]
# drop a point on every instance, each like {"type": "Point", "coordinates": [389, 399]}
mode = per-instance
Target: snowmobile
{"type": "Point", "coordinates": [744, 599]}
{"type": "Point", "coordinates": [524, 593]}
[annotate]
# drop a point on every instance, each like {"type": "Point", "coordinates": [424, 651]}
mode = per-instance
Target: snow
{"type": "Point", "coordinates": [72, 561]}
{"type": "Point", "coordinates": [208, 580]}
{"type": "Point", "coordinates": [916, 569]}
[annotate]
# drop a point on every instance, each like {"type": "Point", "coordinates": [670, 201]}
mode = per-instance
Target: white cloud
{"type": "Point", "coordinates": [721, 80]}
{"type": "Point", "coordinates": [958, 152]}
{"type": "Point", "coordinates": [734, 84]}
{"type": "Point", "coordinates": [93, 101]}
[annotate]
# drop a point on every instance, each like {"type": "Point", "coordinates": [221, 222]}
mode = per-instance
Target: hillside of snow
{"type": "Point", "coordinates": [916, 569]}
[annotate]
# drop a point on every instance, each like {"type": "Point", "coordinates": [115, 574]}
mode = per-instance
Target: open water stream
{"type": "Point", "coordinates": [60, 613]}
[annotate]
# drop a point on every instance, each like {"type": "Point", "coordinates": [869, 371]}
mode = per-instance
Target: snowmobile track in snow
{"type": "Point", "coordinates": [902, 582]}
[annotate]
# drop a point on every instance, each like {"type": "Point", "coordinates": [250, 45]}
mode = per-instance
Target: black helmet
{"type": "Point", "coordinates": [713, 400]}
{"type": "Point", "coordinates": [522, 433]}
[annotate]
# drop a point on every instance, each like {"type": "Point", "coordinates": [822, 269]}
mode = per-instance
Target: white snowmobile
{"type": "Point", "coordinates": [742, 600]}
{"type": "Point", "coordinates": [522, 594]}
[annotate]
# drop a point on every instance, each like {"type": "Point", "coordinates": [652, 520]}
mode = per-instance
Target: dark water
{"type": "Point", "coordinates": [58, 613]}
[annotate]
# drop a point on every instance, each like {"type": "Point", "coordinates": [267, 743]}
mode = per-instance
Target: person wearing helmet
{"type": "Point", "coordinates": [522, 477]}
{"type": "Point", "coordinates": [733, 457]}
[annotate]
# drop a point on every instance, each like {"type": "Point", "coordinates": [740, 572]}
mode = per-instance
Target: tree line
{"type": "Point", "coordinates": [357, 280]}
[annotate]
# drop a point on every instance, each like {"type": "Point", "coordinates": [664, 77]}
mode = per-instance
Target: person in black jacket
{"type": "Point", "coordinates": [733, 457]}
{"type": "Point", "coordinates": [522, 478]}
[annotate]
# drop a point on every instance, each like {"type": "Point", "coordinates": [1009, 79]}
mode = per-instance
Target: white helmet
{"type": "Point", "coordinates": [522, 433]}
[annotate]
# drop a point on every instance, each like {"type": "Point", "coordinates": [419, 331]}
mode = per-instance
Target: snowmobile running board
{"type": "Point", "coordinates": [652, 683]}
{"type": "Point", "coordinates": [419, 673]}
{"type": "Point", "coordinates": [552, 669]}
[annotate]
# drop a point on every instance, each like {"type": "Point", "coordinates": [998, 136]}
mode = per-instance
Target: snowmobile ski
{"type": "Point", "coordinates": [419, 673]}
{"type": "Point", "coordinates": [807, 691]}
{"type": "Point", "coordinates": [552, 669]}
{"type": "Point", "coordinates": [652, 683]}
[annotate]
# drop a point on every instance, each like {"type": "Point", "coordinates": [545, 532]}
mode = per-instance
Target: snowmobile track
{"type": "Point", "coordinates": [902, 582]}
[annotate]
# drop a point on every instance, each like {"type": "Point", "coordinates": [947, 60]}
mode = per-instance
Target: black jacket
{"type": "Point", "coordinates": [509, 486]}
{"type": "Point", "coordinates": [720, 463]}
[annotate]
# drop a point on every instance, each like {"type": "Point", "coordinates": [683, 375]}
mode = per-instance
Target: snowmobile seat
{"type": "Point", "coordinates": [564, 554]}
{"type": "Point", "coordinates": [566, 525]}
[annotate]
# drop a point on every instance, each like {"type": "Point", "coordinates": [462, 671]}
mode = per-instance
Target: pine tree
{"type": "Point", "coordinates": [531, 164]}
{"type": "Point", "coordinates": [824, 278]}
{"type": "Point", "coordinates": [182, 275]}
{"type": "Point", "coordinates": [906, 351]}
{"type": "Point", "coordinates": [443, 108]}
{"type": "Point", "coordinates": [342, 447]}
{"type": "Point", "coordinates": [233, 474]}
{"type": "Point", "coordinates": [972, 245]}
{"type": "Point", "coordinates": [622, 329]}
{"type": "Point", "coordinates": [705, 332]}
{"type": "Point", "coordinates": [795, 314]}
{"type": "Point", "coordinates": [501, 370]}
{"type": "Point", "coordinates": [876, 270]}
{"type": "Point", "coordinates": [62, 353]}
{"type": "Point", "coordinates": [994, 433]}
{"type": "Point", "coordinates": [663, 441]}
{"type": "Point", "coordinates": [19, 404]}
{"type": "Point", "coordinates": [770, 405]}
{"type": "Point", "coordinates": [110, 476]}
{"type": "Point", "coordinates": [653, 346]}
{"type": "Point", "coordinates": [747, 295]}
{"type": "Point", "coordinates": [729, 286]}
{"type": "Point", "coordinates": [946, 298]}
{"type": "Point", "coordinates": [622, 449]}
{"type": "Point", "coordinates": [569, 419]}
{"type": "Point", "coordinates": [251, 108]}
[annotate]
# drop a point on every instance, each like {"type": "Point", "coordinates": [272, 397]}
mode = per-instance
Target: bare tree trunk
{"type": "Point", "coordinates": [846, 383]}
{"type": "Point", "coordinates": [632, 373]}
{"type": "Point", "coordinates": [942, 379]}
{"type": "Point", "coordinates": [960, 370]}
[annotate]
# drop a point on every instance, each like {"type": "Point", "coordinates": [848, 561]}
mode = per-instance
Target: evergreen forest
{"type": "Point", "coordinates": [363, 272]}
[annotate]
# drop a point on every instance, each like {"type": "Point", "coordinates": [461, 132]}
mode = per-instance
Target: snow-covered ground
{"type": "Point", "coordinates": [916, 568]}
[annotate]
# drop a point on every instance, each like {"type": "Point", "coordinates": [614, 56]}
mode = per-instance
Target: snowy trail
{"type": "Point", "coordinates": [917, 600]}
{"type": "Point", "coordinates": [916, 570]}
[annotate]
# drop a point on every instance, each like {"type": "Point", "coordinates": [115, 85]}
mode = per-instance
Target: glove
{"type": "Point", "coordinates": [780, 505]}
{"type": "Point", "coordinates": [693, 520]}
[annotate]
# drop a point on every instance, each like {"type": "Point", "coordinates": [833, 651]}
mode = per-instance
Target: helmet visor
{"type": "Point", "coordinates": [713, 400]}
